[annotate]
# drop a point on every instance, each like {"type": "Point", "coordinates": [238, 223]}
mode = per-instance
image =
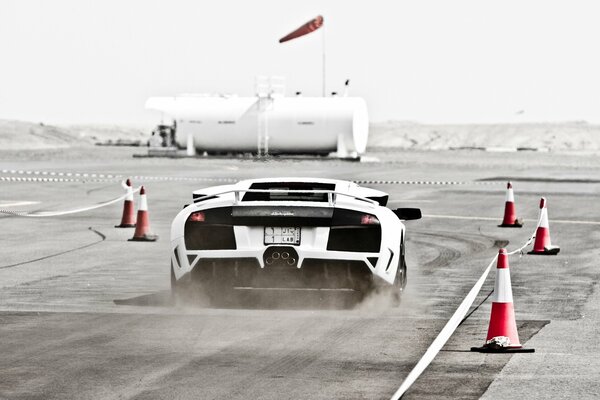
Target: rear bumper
{"type": "Point", "coordinates": [193, 257]}
{"type": "Point", "coordinates": [312, 268]}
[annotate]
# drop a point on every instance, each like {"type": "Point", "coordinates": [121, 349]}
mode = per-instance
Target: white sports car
{"type": "Point", "coordinates": [289, 234]}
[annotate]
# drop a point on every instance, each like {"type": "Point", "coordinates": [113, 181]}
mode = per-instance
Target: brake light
{"type": "Point", "coordinates": [368, 219]}
{"type": "Point", "coordinates": [197, 217]}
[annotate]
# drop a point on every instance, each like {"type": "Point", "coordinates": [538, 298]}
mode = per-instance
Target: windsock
{"type": "Point", "coordinates": [510, 214]}
{"type": "Point", "coordinates": [142, 228]}
{"type": "Point", "coordinates": [305, 29]}
{"type": "Point", "coordinates": [502, 333]}
{"type": "Point", "coordinates": [542, 244]}
{"type": "Point", "coordinates": [128, 218]}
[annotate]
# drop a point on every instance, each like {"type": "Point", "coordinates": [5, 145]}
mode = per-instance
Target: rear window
{"type": "Point", "coordinates": [306, 192]}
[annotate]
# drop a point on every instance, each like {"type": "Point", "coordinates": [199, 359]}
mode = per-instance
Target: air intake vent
{"type": "Point", "coordinates": [373, 260]}
{"type": "Point", "coordinates": [209, 237]}
{"type": "Point", "coordinates": [176, 254]}
{"type": "Point", "coordinates": [366, 238]}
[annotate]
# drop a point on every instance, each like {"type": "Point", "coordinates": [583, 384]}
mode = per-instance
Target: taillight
{"type": "Point", "coordinates": [354, 231]}
{"type": "Point", "coordinates": [197, 217]}
{"type": "Point", "coordinates": [368, 219]}
{"type": "Point", "coordinates": [344, 217]}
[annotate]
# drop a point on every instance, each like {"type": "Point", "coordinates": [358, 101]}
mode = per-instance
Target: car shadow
{"type": "Point", "coordinates": [158, 299]}
{"type": "Point", "coordinates": [284, 300]}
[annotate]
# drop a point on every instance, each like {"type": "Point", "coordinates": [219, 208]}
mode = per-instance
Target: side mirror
{"type": "Point", "coordinates": [408, 213]}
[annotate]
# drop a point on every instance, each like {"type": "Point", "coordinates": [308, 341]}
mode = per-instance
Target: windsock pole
{"type": "Point", "coordinates": [324, 64]}
{"type": "Point", "coordinates": [310, 26]}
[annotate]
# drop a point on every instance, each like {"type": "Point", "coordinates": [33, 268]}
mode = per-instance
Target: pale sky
{"type": "Point", "coordinates": [77, 61]}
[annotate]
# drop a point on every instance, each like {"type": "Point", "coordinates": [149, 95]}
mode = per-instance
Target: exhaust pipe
{"type": "Point", "coordinates": [282, 255]}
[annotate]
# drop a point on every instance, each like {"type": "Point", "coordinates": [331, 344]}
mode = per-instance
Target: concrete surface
{"type": "Point", "coordinates": [63, 336]}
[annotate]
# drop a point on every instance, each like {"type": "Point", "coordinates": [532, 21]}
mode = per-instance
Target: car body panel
{"type": "Point", "coordinates": [315, 232]}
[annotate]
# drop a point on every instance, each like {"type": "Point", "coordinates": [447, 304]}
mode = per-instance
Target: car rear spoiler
{"type": "Point", "coordinates": [332, 195]}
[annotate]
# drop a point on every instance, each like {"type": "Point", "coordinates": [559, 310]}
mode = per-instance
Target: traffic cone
{"type": "Point", "coordinates": [510, 214]}
{"type": "Point", "coordinates": [542, 244]}
{"type": "Point", "coordinates": [128, 218]}
{"type": "Point", "coordinates": [142, 228]}
{"type": "Point", "coordinates": [502, 333]}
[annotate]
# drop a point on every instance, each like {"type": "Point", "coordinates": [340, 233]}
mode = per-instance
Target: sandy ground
{"type": "Point", "coordinates": [19, 135]}
{"type": "Point", "coordinates": [63, 335]}
{"type": "Point", "coordinates": [544, 136]}
{"type": "Point", "coordinates": [567, 136]}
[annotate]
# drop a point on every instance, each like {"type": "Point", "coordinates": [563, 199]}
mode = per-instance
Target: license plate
{"type": "Point", "coordinates": [282, 235]}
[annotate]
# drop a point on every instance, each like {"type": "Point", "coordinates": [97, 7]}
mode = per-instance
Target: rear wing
{"type": "Point", "coordinates": [332, 195]}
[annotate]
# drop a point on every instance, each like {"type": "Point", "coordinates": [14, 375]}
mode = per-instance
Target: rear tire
{"type": "Point", "coordinates": [401, 271]}
{"type": "Point", "coordinates": [186, 292]}
{"type": "Point", "coordinates": [400, 280]}
{"type": "Point", "coordinates": [175, 288]}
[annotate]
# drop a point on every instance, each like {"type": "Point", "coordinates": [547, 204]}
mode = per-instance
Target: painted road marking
{"type": "Point", "coordinates": [19, 203]}
{"type": "Point", "coordinates": [557, 221]}
{"type": "Point", "coordinates": [412, 201]}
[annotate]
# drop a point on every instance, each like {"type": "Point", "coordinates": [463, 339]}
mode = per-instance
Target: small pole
{"type": "Point", "coordinates": [323, 37]}
{"type": "Point", "coordinates": [191, 149]}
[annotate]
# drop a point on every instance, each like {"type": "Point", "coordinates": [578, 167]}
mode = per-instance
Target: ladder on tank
{"type": "Point", "coordinates": [267, 89]}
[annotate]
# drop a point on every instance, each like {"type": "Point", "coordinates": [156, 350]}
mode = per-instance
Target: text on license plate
{"type": "Point", "coordinates": [282, 235]}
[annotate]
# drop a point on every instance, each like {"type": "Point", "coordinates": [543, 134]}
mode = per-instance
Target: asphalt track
{"type": "Point", "coordinates": [87, 315]}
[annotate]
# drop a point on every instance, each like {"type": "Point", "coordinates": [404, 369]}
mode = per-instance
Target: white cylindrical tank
{"type": "Point", "coordinates": [291, 124]}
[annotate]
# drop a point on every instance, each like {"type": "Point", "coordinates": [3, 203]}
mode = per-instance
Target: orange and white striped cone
{"type": "Point", "coordinates": [510, 215]}
{"type": "Point", "coordinates": [542, 244]}
{"type": "Point", "coordinates": [142, 228]}
{"type": "Point", "coordinates": [502, 333]}
{"type": "Point", "coordinates": [128, 218]}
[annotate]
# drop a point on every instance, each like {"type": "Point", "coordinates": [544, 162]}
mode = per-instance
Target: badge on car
{"type": "Point", "coordinates": [282, 235]}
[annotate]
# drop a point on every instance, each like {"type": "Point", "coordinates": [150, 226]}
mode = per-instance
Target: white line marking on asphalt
{"type": "Point", "coordinates": [565, 221]}
{"type": "Point", "coordinates": [556, 221]}
{"type": "Point", "coordinates": [460, 217]}
{"type": "Point", "coordinates": [296, 289]}
{"type": "Point", "coordinates": [412, 201]}
{"type": "Point", "coordinates": [19, 203]}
